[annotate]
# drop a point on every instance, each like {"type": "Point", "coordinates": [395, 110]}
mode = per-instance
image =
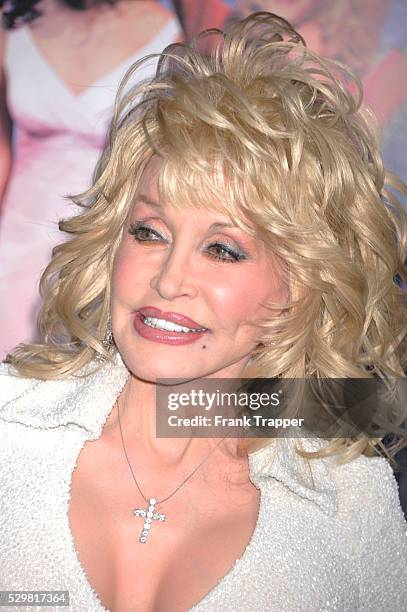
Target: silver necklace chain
{"type": "Point", "coordinates": [149, 514]}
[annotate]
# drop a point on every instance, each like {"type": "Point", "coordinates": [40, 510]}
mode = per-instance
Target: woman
{"type": "Point", "coordinates": [60, 114]}
{"type": "Point", "coordinates": [240, 199]}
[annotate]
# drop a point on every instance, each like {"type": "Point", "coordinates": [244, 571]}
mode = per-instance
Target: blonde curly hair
{"type": "Point", "coordinates": [272, 133]}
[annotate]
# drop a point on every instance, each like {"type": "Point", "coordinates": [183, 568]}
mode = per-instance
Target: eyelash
{"type": "Point", "coordinates": [135, 228]}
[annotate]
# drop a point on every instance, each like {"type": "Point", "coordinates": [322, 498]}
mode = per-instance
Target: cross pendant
{"type": "Point", "coordinates": [148, 515]}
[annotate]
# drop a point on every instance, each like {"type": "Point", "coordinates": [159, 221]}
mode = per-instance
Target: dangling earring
{"type": "Point", "coordinates": [108, 337]}
{"type": "Point", "coordinates": [108, 340]}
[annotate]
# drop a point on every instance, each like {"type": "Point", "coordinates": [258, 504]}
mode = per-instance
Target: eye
{"type": "Point", "coordinates": [143, 232]}
{"type": "Point", "coordinates": [225, 253]}
{"type": "Point", "coordinates": [217, 250]}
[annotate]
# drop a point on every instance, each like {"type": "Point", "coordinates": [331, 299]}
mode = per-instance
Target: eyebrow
{"type": "Point", "coordinates": [143, 198]}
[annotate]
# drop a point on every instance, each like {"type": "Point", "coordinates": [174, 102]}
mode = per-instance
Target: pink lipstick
{"type": "Point", "coordinates": [147, 331]}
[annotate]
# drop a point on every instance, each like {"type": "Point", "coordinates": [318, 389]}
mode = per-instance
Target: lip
{"type": "Point", "coordinates": [162, 336]}
{"type": "Point", "coordinates": [174, 317]}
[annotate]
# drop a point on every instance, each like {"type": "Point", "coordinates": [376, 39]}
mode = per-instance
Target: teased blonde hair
{"type": "Point", "coordinates": [269, 131]}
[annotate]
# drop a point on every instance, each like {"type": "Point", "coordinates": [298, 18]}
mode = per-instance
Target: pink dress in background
{"type": "Point", "coordinates": [59, 140]}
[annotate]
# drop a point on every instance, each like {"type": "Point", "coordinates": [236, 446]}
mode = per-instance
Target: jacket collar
{"type": "Point", "coordinates": [310, 479]}
{"type": "Point", "coordinates": [86, 399]}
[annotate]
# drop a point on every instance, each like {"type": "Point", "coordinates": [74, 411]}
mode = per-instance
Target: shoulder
{"type": "Point", "coordinates": [363, 492]}
{"type": "Point", "coordinates": [368, 497]}
{"type": "Point", "coordinates": [353, 491]}
{"type": "Point", "coordinates": [383, 535]}
{"type": "Point", "coordinates": [23, 402]}
{"type": "Point", "coordinates": [374, 530]}
{"type": "Point", "coordinates": [12, 385]}
{"type": "Point", "coordinates": [82, 399]}
{"type": "Point", "coordinates": [368, 483]}
{"type": "Point", "coordinates": [33, 402]}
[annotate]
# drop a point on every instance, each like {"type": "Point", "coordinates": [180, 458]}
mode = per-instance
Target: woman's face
{"type": "Point", "coordinates": [180, 262]}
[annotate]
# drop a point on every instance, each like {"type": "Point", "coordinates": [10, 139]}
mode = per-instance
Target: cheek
{"type": "Point", "coordinates": [128, 272]}
{"type": "Point", "coordinates": [242, 301]}
{"type": "Point", "coordinates": [236, 299]}
{"type": "Point", "coordinates": [121, 272]}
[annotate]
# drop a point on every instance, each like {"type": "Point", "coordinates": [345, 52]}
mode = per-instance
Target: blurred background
{"type": "Point", "coordinates": [62, 61]}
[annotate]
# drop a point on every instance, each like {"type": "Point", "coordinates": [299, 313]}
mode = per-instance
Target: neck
{"type": "Point", "coordinates": [137, 406]}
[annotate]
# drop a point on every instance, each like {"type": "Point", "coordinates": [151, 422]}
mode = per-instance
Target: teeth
{"type": "Point", "coordinates": [169, 325]}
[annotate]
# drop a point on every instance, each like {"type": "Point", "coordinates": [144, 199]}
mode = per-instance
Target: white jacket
{"type": "Point", "coordinates": [330, 538]}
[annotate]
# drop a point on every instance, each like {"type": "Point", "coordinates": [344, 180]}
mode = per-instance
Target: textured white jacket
{"type": "Point", "coordinates": [327, 538]}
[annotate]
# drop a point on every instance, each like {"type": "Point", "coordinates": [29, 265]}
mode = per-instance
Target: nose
{"type": "Point", "coordinates": [174, 278]}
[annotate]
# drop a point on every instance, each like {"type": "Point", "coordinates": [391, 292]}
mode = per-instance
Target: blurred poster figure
{"type": "Point", "coordinates": [370, 36]}
{"type": "Point", "coordinates": [394, 50]}
{"type": "Point", "coordinates": [196, 16]}
{"type": "Point", "coordinates": [62, 63]}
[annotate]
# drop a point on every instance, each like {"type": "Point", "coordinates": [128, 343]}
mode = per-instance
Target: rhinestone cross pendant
{"type": "Point", "coordinates": [148, 515]}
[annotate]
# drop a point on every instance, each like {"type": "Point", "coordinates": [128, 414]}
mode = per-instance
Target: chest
{"type": "Point", "coordinates": [297, 558]}
{"type": "Point", "coordinates": [185, 555]}
{"type": "Point", "coordinates": [82, 47]}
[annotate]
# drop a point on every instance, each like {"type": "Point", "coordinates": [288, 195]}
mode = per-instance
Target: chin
{"type": "Point", "coordinates": [152, 369]}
